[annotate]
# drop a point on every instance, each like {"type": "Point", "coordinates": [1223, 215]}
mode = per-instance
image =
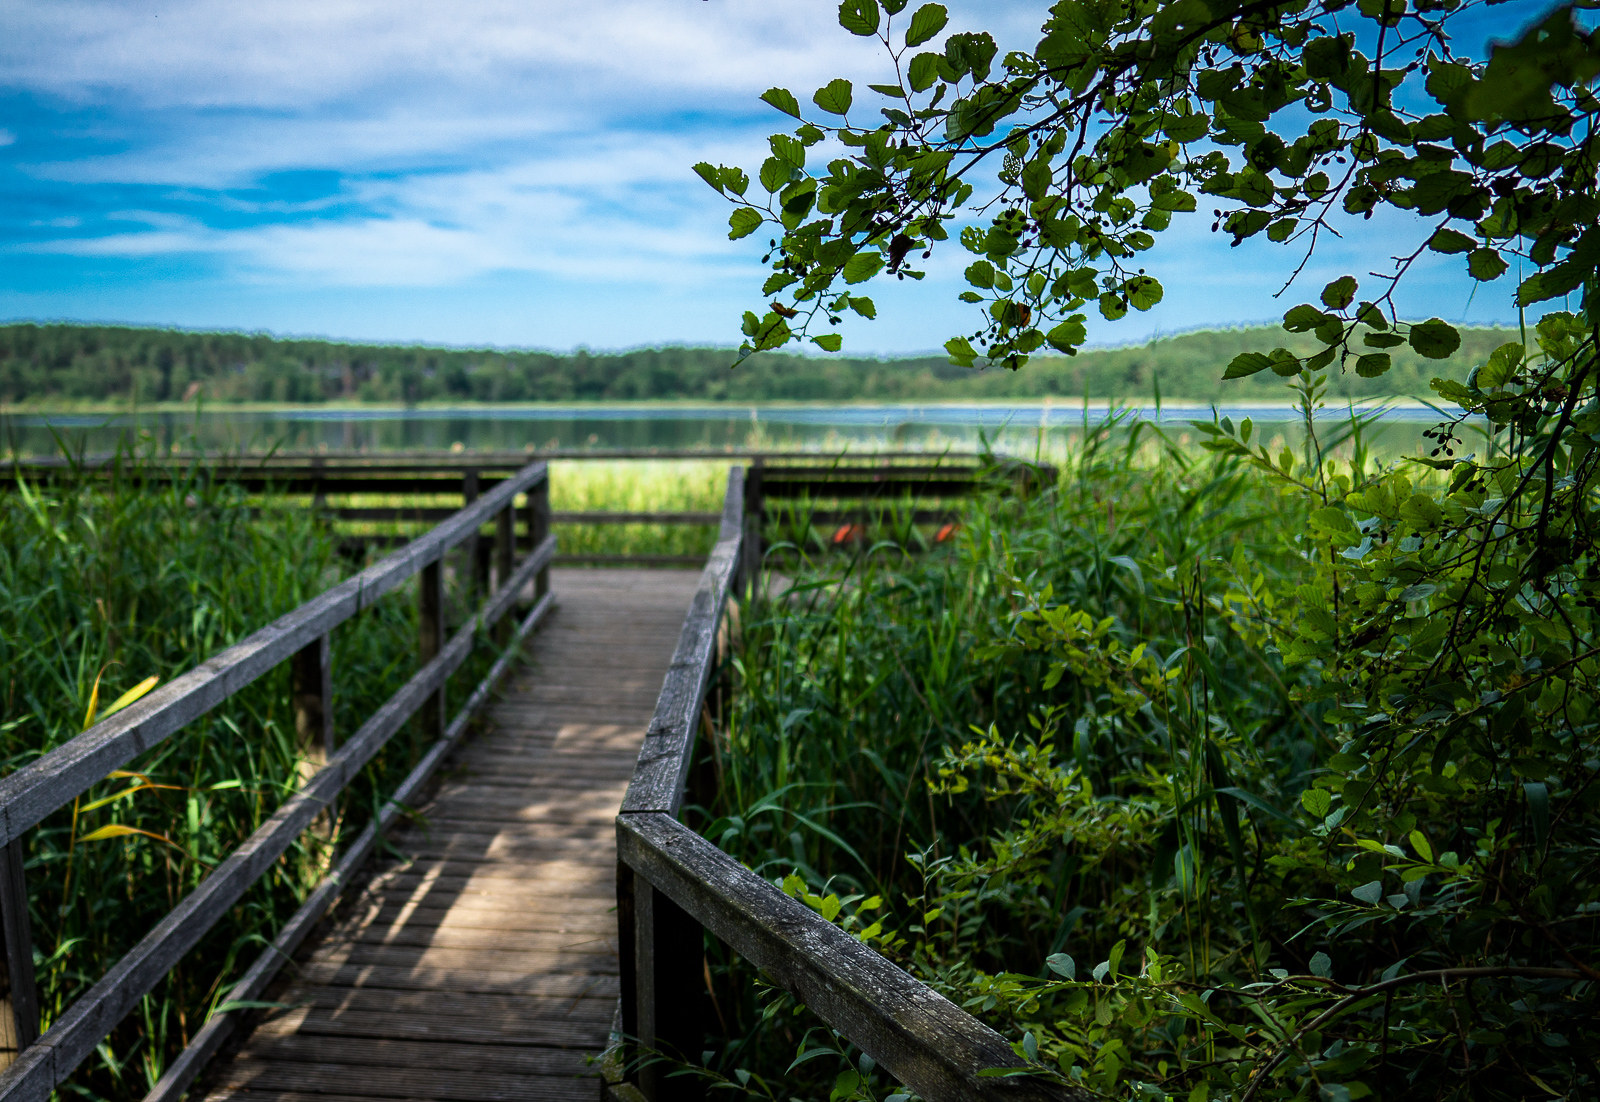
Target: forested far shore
{"type": "Point", "coordinates": [63, 364]}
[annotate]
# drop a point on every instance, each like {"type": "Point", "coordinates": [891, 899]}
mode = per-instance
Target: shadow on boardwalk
{"type": "Point", "coordinates": [483, 966]}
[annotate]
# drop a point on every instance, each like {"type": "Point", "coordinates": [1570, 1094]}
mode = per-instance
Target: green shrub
{"type": "Point", "coordinates": [1115, 772]}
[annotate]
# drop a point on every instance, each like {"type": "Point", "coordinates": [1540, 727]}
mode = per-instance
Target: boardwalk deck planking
{"type": "Point", "coordinates": [483, 965]}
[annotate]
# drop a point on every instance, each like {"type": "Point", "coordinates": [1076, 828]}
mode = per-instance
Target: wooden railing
{"type": "Point", "coordinates": [301, 639]}
{"type": "Point", "coordinates": [672, 885]}
{"type": "Point", "coordinates": [795, 484]}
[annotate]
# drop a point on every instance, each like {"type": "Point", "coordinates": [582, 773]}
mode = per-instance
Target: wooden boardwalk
{"type": "Point", "coordinates": [483, 965]}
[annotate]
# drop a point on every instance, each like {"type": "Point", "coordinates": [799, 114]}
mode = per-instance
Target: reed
{"type": "Point", "coordinates": [1048, 741]}
{"type": "Point", "coordinates": [106, 583]}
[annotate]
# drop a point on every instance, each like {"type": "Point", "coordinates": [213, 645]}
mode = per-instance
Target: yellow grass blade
{"type": "Point", "coordinates": [118, 830]}
{"type": "Point", "coordinates": [132, 695]}
{"type": "Point", "coordinates": [94, 700]}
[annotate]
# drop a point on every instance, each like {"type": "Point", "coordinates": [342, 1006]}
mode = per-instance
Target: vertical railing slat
{"type": "Point", "coordinates": [21, 1008]}
{"type": "Point", "coordinates": [430, 641]}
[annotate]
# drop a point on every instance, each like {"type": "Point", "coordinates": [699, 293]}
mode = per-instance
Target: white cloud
{"type": "Point", "coordinates": [300, 53]}
{"type": "Point", "coordinates": [619, 207]}
{"type": "Point", "coordinates": [6, 138]}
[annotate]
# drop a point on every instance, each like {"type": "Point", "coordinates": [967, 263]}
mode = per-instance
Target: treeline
{"type": "Point", "coordinates": [42, 365]}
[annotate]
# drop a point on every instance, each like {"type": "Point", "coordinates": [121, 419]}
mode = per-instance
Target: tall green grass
{"type": "Point", "coordinates": [637, 486]}
{"type": "Point", "coordinates": [105, 582]}
{"type": "Point", "coordinates": [1059, 769]}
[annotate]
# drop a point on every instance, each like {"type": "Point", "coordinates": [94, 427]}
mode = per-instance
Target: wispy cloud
{"type": "Point", "coordinates": [337, 148]}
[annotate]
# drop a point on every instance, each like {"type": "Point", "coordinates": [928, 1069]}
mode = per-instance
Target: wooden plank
{"type": "Point", "coordinates": [635, 518]}
{"type": "Point", "coordinates": [585, 558]}
{"type": "Point", "coordinates": [34, 791]}
{"type": "Point", "coordinates": [510, 1059]}
{"type": "Point", "coordinates": [181, 1072]}
{"type": "Point", "coordinates": [589, 916]}
{"type": "Point", "coordinates": [452, 462]}
{"type": "Point", "coordinates": [506, 1012]}
{"type": "Point", "coordinates": [388, 1082]}
{"type": "Point", "coordinates": [570, 983]}
{"type": "Point", "coordinates": [921, 1038]}
{"type": "Point", "coordinates": [493, 938]}
{"type": "Point", "coordinates": [457, 869]}
{"type": "Point", "coordinates": [479, 1030]}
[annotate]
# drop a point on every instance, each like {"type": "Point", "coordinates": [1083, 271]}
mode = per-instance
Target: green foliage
{"type": "Point", "coordinates": [1081, 149]}
{"type": "Point", "coordinates": [50, 366]}
{"type": "Point", "coordinates": [1170, 774]}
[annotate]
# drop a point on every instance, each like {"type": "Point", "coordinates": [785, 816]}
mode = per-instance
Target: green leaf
{"type": "Point", "coordinates": [1286, 363]}
{"type": "Point", "coordinates": [835, 97]}
{"type": "Point", "coordinates": [1321, 965]}
{"type": "Point", "coordinates": [1502, 366]}
{"type": "Point", "coordinates": [1369, 893]}
{"type": "Point", "coordinates": [828, 342]}
{"type": "Point", "coordinates": [1317, 801]}
{"type": "Point", "coordinates": [1112, 307]}
{"type": "Point", "coordinates": [710, 173]}
{"type": "Point", "coordinates": [1143, 292]}
{"type": "Point", "coordinates": [926, 22]}
{"type": "Point", "coordinates": [1538, 810]}
{"type": "Point", "coordinates": [1303, 318]}
{"type": "Point", "coordinates": [1420, 843]}
{"type": "Point", "coordinates": [980, 273]}
{"type": "Point", "coordinates": [1068, 336]}
{"type": "Point", "coordinates": [775, 174]}
{"type": "Point", "coordinates": [1450, 241]}
{"type": "Point", "coordinates": [1435, 339]}
{"type": "Point", "coordinates": [863, 266]}
{"type": "Point", "coordinates": [1383, 340]}
{"type": "Point", "coordinates": [783, 100]}
{"type": "Point", "coordinates": [1062, 965]}
{"type": "Point", "coordinates": [743, 222]}
{"type": "Point", "coordinates": [923, 72]}
{"type": "Point", "coordinates": [1246, 363]}
{"type": "Point", "coordinates": [1373, 364]}
{"type": "Point", "coordinates": [859, 17]}
{"type": "Point", "coordinates": [1340, 293]}
{"type": "Point", "coordinates": [961, 351]}
{"type": "Point", "coordinates": [1485, 264]}
{"type": "Point", "coordinates": [1036, 178]}
{"type": "Point", "coordinates": [864, 307]}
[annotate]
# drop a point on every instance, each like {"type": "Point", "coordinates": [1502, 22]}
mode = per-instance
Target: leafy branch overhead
{"type": "Point", "coordinates": [1056, 168]}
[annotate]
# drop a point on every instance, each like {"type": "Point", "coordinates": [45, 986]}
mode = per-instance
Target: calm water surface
{"type": "Point", "coordinates": [519, 428]}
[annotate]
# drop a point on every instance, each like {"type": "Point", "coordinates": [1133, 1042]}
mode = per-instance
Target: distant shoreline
{"type": "Point", "coordinates": [379, 409]}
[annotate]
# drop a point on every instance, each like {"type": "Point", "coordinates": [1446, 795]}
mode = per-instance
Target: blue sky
{"type": "Point", "coordinates": [510, 172]}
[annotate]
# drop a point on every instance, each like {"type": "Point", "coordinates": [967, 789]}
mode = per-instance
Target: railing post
{"type": "Point", "coordinates": [311, 687]}
{"type": "Point", "coordinates": [754, 515]}
{"type": "Point", "coordinates": [505, 554]}
{"type": "Point", "coordinates": [19, 1015]}
{"type": "Point", "coordinates": [477, 561]}
{"type": "Point", "coordinates": [538, 528]}
{"type": "Point", "coordinates": [430, 641]}
{"type": "Point", "coordinates": [668, 995]}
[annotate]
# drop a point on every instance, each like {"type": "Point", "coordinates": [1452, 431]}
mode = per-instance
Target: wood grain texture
{"type": "Point", "coordinates": [920, 1037]}
{"type": "Point", "coordinates": [482, 964]}
{"type": "Point", "coordinates": [663, 764]}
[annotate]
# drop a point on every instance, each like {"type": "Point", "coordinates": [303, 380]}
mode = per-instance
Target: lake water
{"type": "Point", "coordinates": [717, 427]}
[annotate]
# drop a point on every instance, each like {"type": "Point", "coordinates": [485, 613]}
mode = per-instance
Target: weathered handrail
{"type": "Point", "coordinates": [671, 883]}
{"type": "Point", "coordinates": [36, 790]}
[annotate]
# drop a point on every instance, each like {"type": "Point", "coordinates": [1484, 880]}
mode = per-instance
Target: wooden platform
{"type": "Point", "coordinates": [483, 966]}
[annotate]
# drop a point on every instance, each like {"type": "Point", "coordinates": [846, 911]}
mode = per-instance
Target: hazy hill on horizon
{"type": "Point", "coordinates": [45, 364]}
